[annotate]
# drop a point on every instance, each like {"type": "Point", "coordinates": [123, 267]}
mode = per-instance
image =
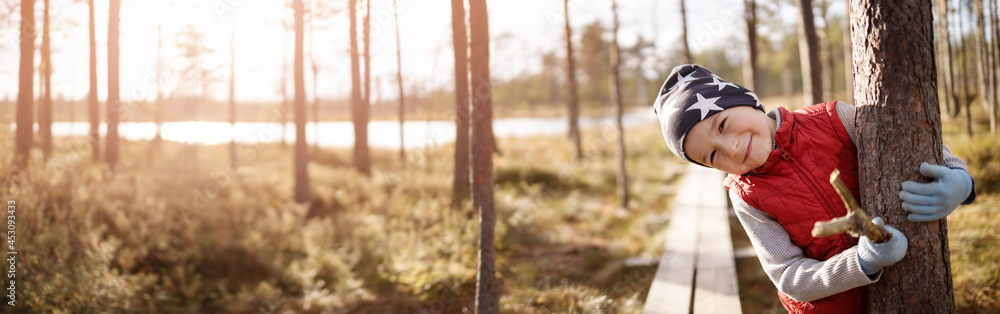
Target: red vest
{"type": "Point", "coordinates": [793, 186]}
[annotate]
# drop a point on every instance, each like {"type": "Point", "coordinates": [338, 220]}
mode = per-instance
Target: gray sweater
{"type": "Point", "coordinates": [801, 278]}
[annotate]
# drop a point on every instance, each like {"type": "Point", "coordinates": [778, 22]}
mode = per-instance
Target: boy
{"type": "Point", "coordinates": [779, 165]}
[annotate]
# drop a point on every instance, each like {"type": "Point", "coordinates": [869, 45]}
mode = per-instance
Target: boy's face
{"type": "Point", "coordinates": [736, 140]}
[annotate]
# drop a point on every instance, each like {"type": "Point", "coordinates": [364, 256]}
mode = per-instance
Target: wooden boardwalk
{"type": "Point", "coordinates": [697, 272]}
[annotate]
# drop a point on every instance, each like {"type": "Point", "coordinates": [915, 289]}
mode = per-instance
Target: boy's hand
{"type": "Point", "coordinates": [874, 256]}
{"type": "Point", "coordinates": [936, 199]}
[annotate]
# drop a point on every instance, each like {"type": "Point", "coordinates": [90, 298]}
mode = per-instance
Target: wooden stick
{"type": "Point", "coordinates": [856, 223]}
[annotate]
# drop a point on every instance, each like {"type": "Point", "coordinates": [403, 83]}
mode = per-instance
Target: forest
{"type": "Point", "coordinates": [416, 156]}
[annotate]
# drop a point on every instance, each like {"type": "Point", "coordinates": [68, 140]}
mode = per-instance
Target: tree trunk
{"type": "Point", "coordinates": [45, 106]}
{"type": "Point", "coordinates": [616, 98]}
{"type": "Point", "coordinates": [284, 78]}
{"type": "Point", "coordinates": [750, 63]}
{"type": "Point", "coordinates": [967, 96]}
{"type": "Point", "coordinates": [573, 101]}
{"type": "Point", "coordinates": [232, 94]}
{"type": "Point", "coordinates": [315, 80]}
{"type": "Point", "coordinates": [25, 86]}
{"type": "Point", "coordinates": [360, 156]}
{"type": "Point", "coordinates": [399, 82]}
{"type": "Point", "coordinates": [158, 106]}
{"type": "Point", "coordinates": [827, 48]}
{"type": "Point", "coordinates": [994, 63]}
{"type": "Point", "coordinates": [487, 293]}
{"type": "Point", "coordinates": [812, 83]}
{"type": "Point", "coordinates": [899, 127]}
{"type": "Point", "coordinates": [956, 78]}
{"type": "Point", "coordinates": [111, 156]}
{"type": "Point", "coordinates": [848, 59]}
{"type": "Point", "coordinates": [366, 96]}
{"type": "Point", "coordinates": [685, 46]}
{"type": "Point", "coordinates": [301, 154]}
{"type": "Point", "coordinates": [983, 62]}
{"type": "Point", "coordinates": [92, 102]}
{"type": "Point", "coordinates": [460, 186]}
{"type": "Point", "coordinates": [944, 51]}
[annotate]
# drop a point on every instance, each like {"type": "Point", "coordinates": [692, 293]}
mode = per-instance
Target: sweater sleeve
{"type": "Point", "coordinates": [801, 278]}
{"type": "Point", "coordinates": [847, 115]}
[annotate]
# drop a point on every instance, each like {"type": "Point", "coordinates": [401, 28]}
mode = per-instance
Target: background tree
{"type": "Point", "coordinates": [984, 68]}
{"type": "Point", "coordinates": [92, 102]}
{"type": "Point", "coordinates": [750, 63]}
{"type": "Point", "coordinates": [460, 186]}
{"type": "Point", "coordinates": [114, 101]}
{"type": "Point", "coordinates": [358, 111]}
{"type": "Point", "coordinates": [848, 58]}
{"type": "Point", "coordinates": [301, 154]}
{"type": "Point", "coordinates": [994, 62]}
{"type": "Point", "coordinates": [25, 87]}
{"type": "Point", "coordinates": [685, 48]}
{"type": "Point", "coordinates": [812, 83]}
{"type": "Point", "coordinates": [158, 107]}
{"type": "Point", "coordinates": [572, 100]}
{"type": "Point", "coordinates": [616, 99]}
{"type": "Point", "coordinates": [45, 105]}
{"type": "Point", "coordinates": [944, 56]}
{"type": "Point", "coordinates": [899, 127]}
{"type": "Point", "coordinates": [232, 92]}
{"type": "Point", "coordinates": [487, 293]}
{"type": "Point", "coordinates": [399, 81]}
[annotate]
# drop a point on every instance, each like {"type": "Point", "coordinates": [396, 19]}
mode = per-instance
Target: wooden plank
{"type": "Point", "coordinates": [715, 285]}
{"type": "Point", "coordinates": [671, 288]}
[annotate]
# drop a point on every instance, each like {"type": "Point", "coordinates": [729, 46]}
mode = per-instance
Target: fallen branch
{"type": "Point", "coordinates": [856, 223]}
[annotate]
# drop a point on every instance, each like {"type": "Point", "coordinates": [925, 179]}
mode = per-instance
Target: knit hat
{"type": "Point", "coordinates": [691, 94]}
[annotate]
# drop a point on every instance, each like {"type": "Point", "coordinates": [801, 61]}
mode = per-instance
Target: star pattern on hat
{"type": "Point", "coordinates": [671, 108]}
{"type": "Point", "coordinates": [760, 105]}
{"type": "Point", "coordinates": [683, 79]}
{"type": "Point", "coordinates": [720, 84]}
{"type": "Point", "coordinates": [705, 105]}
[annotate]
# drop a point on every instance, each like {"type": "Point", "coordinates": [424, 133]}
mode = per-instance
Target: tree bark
{"type": "Point", "coordinates": [812, 82]}
{"type": "Point", "coordinates": [573, 98]}
{"type": "Point", "coordinates": [92, 102]}
{"type": "Point", "coordinates": [899, 127]}
{"type": "Point", "coordinates": [301, 153]}
{"type": "Point", "coordinates": [111, 155]}
{"type": "Point", "coordinates": [487, 293]}
{"type": "Point", "coordinates": [750, 63]}
{"type": "Point", "coordinates": [686, 49]}
{"type": "Point", "coordinates": [45, 106]}
{"type": "Point", "coordinates": [616, 98]}
{"type": "Point", "coordinates": [25, 87]}
{"type": "Point", "coordinates": [360, 156]}
{"type": "Point", "coordinates": [399, 82]}
{"type": "Point", "coordinates": [460, 187]}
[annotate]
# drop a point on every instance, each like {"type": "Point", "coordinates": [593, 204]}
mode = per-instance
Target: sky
{"type": "Point", "coordinates": [522, 29]}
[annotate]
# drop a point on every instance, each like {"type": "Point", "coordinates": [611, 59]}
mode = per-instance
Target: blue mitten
{"type": "Point", "coordinates": [938, 198]}
{"type": "Point", "coordinates": [874, 256]}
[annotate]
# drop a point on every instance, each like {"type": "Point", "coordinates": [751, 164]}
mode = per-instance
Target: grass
{"type": "Point", "coordinates": [177, 229]}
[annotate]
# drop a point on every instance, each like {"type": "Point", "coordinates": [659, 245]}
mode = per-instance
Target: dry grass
{"type": "Point", "coordinates": [178, 230]}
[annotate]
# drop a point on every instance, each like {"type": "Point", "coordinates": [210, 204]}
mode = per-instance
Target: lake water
{"type": "Point", "coordinates": [382, 134]}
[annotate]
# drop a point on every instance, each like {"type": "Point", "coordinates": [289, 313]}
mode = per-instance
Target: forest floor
{"type": "Point", "coordinates": [175, 229]}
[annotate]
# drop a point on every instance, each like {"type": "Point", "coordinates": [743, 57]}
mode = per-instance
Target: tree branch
{"type": "Point", "coordinates": [856, 223]}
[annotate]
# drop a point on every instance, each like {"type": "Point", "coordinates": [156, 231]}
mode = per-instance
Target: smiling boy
{"type": "Point", "coordinates": [779, 164]}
